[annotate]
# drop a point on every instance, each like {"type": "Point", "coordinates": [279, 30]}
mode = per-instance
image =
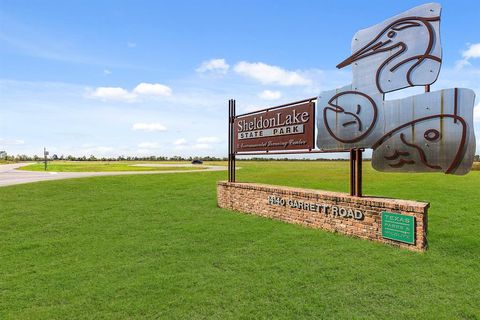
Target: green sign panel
{"type": "Point", "coordinates": [398, 227]}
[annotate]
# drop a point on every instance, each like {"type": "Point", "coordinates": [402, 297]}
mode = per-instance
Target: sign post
{"type": "Point", "coordinates": [45, 157]}
{"type": "Point", "coordinates": [231, 145]}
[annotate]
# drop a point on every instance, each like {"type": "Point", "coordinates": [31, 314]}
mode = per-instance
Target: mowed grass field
{"type": "Point", "coordinates": [107, 166]}
{"type": "Point", "coordinates": [158, 247]}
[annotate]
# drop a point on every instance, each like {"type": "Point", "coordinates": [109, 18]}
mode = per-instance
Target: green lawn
{"type": "Point", "coordinates": [157, 246]}
{"type": "Point", "coordinates": [103, 166]}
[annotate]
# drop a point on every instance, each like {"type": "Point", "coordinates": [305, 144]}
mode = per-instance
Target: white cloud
{"type": "Point", "coordinates": [150, 127]}
{"type": "Point", "coordinates": [208, 140]}
{"type": "Point", "coordinates": [145, 152]}
{"type": "Point", "coordinates": [459, 64]}
{"type": "Point", "coordinates": [214, 65]}
{"type": "Point", "coordinates": [267, 74]}
{"type": "Point", "coordinates": [103, 149]}
{"type": "Point", "coordinates": [476, 113]}
{"type": "Point", "coordinates": [202, 146]}
{"type": "Point", "coordinates": [270, 95]}
{"type": "Point", "coordinates": [106, 72]}
{"type": "Point", "coordinates": [112, 93]}
{"type": "Point", "coordinates": [131, 44]}
{"type": "Point", "coordinates": [206, 143]}
{"type": "Point", "coordinates": [11, 142]}
{"type": "Point", "coordinates": [472, 52]}
{"type": "Point", "coordinates": [121, 94]}
{"type": "Point", "coordinates": [180, 142]}
{"type": "Point", "coordinates": [148, 145]}
{"type": "Point", "coordinates": [88, 149]}
{"type": "Point", "coordinates": [152, 89]}
{"type": "Point", "coordinates": [202, 143]}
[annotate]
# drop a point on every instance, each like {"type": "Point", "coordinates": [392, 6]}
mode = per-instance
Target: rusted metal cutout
{"type": "Point", "coordinates": [430, 132]}
{"type": "Point", "coordinates": [348, 119]}
{"type": "Point", "coordinates": [434, 128]}
{"type": "Point", "coordinates": [402, 51]}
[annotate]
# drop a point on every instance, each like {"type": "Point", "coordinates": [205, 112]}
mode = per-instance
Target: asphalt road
{"type": "Point", "coordinates": [9, 176]}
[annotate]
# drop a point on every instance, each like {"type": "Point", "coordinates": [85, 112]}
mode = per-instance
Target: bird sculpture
{"type": "Point", "coordinates": [402, 59]}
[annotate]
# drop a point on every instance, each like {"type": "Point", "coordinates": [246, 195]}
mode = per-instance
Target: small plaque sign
{"type": "Point", "coordinates": [398, 227]}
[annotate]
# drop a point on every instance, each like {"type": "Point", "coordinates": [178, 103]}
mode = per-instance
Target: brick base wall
{"type": "Point", "coordinates": [332, 211]}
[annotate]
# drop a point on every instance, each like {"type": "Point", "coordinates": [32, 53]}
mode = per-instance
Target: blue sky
{"type": "Point", "coordinates": [153, 77]}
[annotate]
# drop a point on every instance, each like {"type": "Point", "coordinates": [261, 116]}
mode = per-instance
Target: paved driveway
{"type": "Point", "coordinates": [9, 176]}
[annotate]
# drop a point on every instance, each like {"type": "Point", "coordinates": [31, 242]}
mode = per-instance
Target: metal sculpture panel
{"type": "Point", "coordinates": [348, 119]}
{"type": "Point", "coordinates": [400, 52]}
{"type": "Point", "coordinates": [430, 132]}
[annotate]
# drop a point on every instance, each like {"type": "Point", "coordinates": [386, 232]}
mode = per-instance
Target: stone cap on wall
{"type": "Point", "coordinates": [387, 203]}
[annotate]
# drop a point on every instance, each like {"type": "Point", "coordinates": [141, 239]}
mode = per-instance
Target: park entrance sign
{"type": "Point", "coordinates": [427, 132]}
{"type": "Point", "coordinates": [280, 128]}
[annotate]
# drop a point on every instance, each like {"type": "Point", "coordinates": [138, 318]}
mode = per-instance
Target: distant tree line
{"type": "Point", "coordinates": [18, 158]}
{"type": "Point", "coordinates": [21, 157]}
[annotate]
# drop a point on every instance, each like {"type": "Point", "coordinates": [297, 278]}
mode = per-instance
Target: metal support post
{"type": "Point", "coordinates": [232, 148]}
{"type": "Point", "coordinates": [358, 178]}
{"type": "Point", "coordinates": [352, 172]}
{"type": "Point", "coordinates": [229, 140]}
